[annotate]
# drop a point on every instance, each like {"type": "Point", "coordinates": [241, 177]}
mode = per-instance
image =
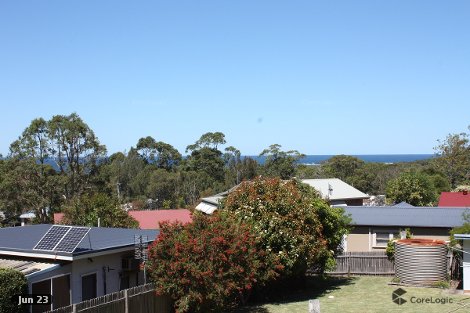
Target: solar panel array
{"type": "Point", "coordinates": [62, 238]}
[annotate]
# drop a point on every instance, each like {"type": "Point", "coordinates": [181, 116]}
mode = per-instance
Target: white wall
{"type": "Point", "coordinates": [466, 266]}
{"type": "Point", "coordinates": [98, 265]}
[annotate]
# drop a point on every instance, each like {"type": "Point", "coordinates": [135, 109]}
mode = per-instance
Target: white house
{"type": "Point", "coordinates": [466, 260]}
{"type": "Point", "coordinates": [73, 264]}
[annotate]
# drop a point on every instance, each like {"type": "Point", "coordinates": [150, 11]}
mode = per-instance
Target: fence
{"type": "Point", "coordinates": [140, 299]}
{"type": "Point", "coordinates": [363, 263]}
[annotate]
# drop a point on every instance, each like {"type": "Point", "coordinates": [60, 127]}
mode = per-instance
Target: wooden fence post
{"type": "Point", "coordinates": [126, 301]}
{"type": "Point", "coordinates": [314, 306]}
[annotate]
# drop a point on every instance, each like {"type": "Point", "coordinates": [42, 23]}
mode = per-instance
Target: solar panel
{"type": "Point", "coordinates": [52, 237]}
{"type": "Point", "coordinates": [72, 239]}
{"type": "Point", "coordinates": [62, 238]}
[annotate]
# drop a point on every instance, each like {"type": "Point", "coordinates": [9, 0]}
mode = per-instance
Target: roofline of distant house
{"type": "Point", "coordinates": [403, 225]}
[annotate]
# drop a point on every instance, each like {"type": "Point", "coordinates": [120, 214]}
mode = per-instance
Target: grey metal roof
{"type": "Point", "coordinates": [445, 217]}
{"type": "Point", "coordinates": [24, 238]}
{"type": "Point", "coordinates": [404, 204]}
{"type": "Point", "coordinates": [27, 267]}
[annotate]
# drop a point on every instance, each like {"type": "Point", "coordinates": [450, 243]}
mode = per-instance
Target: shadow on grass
{"type": "Point", "coordinates": [312, 288]}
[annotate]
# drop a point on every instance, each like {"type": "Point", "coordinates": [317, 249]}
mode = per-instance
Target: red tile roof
{"type": "Point", "coordinates": [456, 199]}
{"type": "Point", "coordinates": [150, 219]}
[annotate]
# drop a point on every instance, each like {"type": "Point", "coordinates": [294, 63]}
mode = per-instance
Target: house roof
{"type": "Point", "coordinates": [98, 240]}
{"type": "Point", "coordinates": [150, 219]}
{"type": "Point", "coordinates": [406, 216]}
{"type": "Point", "coordinates": [335, 189]}
{"type": "Point", "coordinates": [28, 268]}
{"type": "Point", "coordinates": [460, 199]}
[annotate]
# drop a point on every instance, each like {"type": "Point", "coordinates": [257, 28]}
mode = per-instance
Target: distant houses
{"type": "Point", "coordinates": [333, 190]}
{"type": "Point", "coordinates": [149, 219]}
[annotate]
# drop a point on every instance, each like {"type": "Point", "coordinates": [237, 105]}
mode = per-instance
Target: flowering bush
{"type": "Point", "coordinates": [210, 264]}
{"type": "Point", "coordinates": [292, 220]}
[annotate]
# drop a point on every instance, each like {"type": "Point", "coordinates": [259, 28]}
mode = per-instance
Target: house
{"type": "Point", "coordinates": [375, 226]}
{"type": "Point", "coordinates": [333, 190]}
{"type": "Point", "coordinates": [149, 219]}
{"type": "Point", "coordinates": [459, 199]}
{"type": "Point", "coordinates": [466, 260]}
{"type": "Point", "coordinates": [73, 263]}
{"type": "Point", "coordinates": [337, 192]}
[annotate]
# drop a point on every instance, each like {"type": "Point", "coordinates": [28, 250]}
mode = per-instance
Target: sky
{"type": "Point", "coordinates": [320, 77]}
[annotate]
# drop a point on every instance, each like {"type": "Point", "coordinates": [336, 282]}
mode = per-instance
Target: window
{"type": "Point", "coordinates": [381, 238]}
{"type": "Point", "coordinates": [88, 287]}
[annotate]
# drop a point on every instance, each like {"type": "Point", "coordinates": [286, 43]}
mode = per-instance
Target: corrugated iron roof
{"type": "Point", "coordinates": [26, 267]}
{"type": "Point", "coordinates": [150, 219]}
{"type": "Point", "coordinates": [406, 216]}
{"type": "Point", "coordinates": [460, 199]}
{"type": "Point", "coordinates": [335, 189]}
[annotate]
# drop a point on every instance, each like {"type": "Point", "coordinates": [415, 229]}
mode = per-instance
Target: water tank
{"type": "Point", "coordinates": [420, 261]}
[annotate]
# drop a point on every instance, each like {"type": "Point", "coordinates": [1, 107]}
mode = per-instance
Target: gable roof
{"type": "Point", "coordinates": [459, 199]}
{"type": "Point", "coordinates": [99, 240]}
{"type": "Point", "coordinates": [335, 189]}
{"type": "Point", "coordinates": [406, 216]}
{"type": "Point", "coordinates": [150, 219]}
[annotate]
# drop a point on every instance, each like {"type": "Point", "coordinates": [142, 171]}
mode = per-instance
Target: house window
{"type": "Point", "coordinates": [382, 237]}
{"type": "Point", "coordinates": [89, 287]}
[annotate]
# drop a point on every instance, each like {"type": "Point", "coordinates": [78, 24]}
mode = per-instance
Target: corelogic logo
{"type": "Point", "coordinates": [397, 296]}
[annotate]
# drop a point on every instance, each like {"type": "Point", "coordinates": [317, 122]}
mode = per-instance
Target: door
{"type": "Point", "coordinates": [88, 287]}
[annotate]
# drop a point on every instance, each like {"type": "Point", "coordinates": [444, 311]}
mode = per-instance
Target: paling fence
{"type": "Point", "coordinates": [140, 299]}
{"type": "Point", "coordinates": [363, 263]}
{"type": "Point", "coordinates": [373, 263]}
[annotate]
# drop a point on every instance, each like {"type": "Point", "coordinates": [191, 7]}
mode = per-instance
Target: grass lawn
{"type": "Point", "coordinates": [359, 294]}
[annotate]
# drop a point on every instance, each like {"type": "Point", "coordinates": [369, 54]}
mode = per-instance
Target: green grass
{"type": "Point", "coordinates": [359, 294]}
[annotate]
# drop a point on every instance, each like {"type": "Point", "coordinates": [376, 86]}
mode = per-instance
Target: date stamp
{"type": "Point", "coordinates": [32, 299]}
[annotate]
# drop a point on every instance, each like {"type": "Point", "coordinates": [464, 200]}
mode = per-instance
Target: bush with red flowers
{"type": "Point", "coordinates": [210, 264]}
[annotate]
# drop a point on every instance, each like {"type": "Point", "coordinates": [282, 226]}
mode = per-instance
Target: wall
{"type": "Point", "coordinates": [466, 266]}
{"type": "Point", "coordinates": [108, 267]}
{"type": "Point", "coordinates": [362, 238]}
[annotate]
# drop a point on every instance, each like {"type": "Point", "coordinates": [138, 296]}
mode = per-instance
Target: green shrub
{"type": "Point", "coordinates": [12, 283]}
{"type": "Point", "coordinates": [293, 222]}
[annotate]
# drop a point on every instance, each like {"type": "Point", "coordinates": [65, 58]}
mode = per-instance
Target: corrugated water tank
{"type": "Point", "coordinates": [421, 261]}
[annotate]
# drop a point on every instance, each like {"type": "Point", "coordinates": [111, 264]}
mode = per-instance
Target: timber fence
{"type": "Point", "coordinates": [363, 263]}
{"type": "Point", "coordinates": [373, 263]}
{"type": "Point", "coordinates": [140, 299]}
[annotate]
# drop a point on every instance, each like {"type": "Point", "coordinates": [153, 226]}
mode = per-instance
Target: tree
{"type": "Point", "coordinates": [208, 140]}
{"type": "Point", "coordinates": [159, 153]}
{"type": "Point", "coordinates": [87, 209]}
{"type": "Point", "coordinates": [454, 158]}
{"type": "Point", "coordinates": [280, 163]}
{"type": "Point", "coordinates": [464, 229]}
{"type": "Point", "coordinates": [12, 284]}
{"type": "Point", "coordinates": [75, 149]}
{"type": "Point", "coordinates": [343, 167]}
{"type": "Point", "coordinates": [209, 265]}
{"type": "Point", "coordinates": [292, 220]}
{"type": "Point", "coordinates": [412, 187]}
{"type": "Point", "coordinates": [26, 185]}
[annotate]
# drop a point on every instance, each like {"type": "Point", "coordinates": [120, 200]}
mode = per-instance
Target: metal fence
{"type": "Point", "coordinates": [140, 299]}
{"type": "Point", "coordinates": [363, 263]}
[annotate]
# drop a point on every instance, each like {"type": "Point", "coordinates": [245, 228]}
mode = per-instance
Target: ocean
{"type": "Point", "coordinates": [378, 158]}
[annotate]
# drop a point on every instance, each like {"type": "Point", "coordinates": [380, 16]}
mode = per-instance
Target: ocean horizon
{"type": "Point", "coordinates": [316, 159]}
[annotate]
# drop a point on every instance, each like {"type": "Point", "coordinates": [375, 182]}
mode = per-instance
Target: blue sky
{"type": "Point", "coordinates": [322, 77]}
